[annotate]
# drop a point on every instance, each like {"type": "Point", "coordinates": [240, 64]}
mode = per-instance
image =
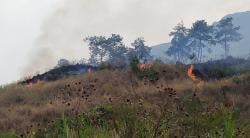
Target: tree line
{"type": "Point", "coordinates": [190, 43]}
{"type": "Point", "coordinates": [112, 50]}
{"type": "Point", "coordinates": [186, 43]}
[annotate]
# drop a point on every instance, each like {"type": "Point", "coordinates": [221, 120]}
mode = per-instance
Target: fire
{"type": "Point", "coordinates": [145, 66]}
{"type": "Point", "coordinates": [196, 79]}
{"type": "Point", "coordinates": [191, 75]}
{"type": "Point", "coordinates": [31, 84]}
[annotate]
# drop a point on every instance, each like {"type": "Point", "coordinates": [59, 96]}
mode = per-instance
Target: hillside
{"type": "Point", "coordinates": [119, 103]}
{"type": "Point", "coordinates": [59, 73]}
{"type": "Point", "coordinates": [159, 51]}
{"type": "Point", "coordinates": [238, 49]}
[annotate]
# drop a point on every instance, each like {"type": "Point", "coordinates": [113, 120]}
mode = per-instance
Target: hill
{"type": "Point", "coordinates": [158, 51]}
{"type": "Point", "coordinates": [123, 103]}
{"type": "Point", "coordinates": [59, 73]}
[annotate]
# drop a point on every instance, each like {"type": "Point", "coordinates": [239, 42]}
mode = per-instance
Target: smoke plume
{"type": "Point", "coordinates": [63, 31]}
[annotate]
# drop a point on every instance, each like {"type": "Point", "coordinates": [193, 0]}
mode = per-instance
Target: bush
{"type": "Point", "coordinates": [134, 65]}
{"type": "Point", "coordinates": [219, 73]}
{"type": "Point", "coordinates": [105, 66]}
{"type": "Point", "coordinates": [149, 73]}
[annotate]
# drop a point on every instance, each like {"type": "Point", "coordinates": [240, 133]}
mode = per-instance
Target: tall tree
{"type": "Point", "coordinates": [110, 49]}
{"type": "Point", "coordinates": [141, 51]}
{"type": "Point", "coordinates": [179, 49]}
{"type": "Point", "coordinates": [226, 32]}
{"type": "Point", "coordinates": [117, 50]}
{"type": "Point", "coordinates": [131, 54]}
{"type": "Point", "coordinates": [98, 48]}
{"type": "Point", "coordinates": [200, 35]}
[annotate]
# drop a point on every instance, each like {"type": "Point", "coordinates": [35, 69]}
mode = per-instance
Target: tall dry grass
{"type": "Point", "coordinates": [26, 109]}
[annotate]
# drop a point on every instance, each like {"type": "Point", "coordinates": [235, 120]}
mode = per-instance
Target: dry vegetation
{"type": "Point", "coordinates": [171, 106]}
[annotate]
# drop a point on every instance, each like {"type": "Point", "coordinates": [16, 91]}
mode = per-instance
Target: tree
{"type": "Point", "coordinates": [110, 49]}
{"type": "Point", "coordinates": [131, 54]}
{"type": "Point", "coordinates": [141, 51]}
{"type": "Point", "coordinates": [226, 32]}
{"type": "Point", "coordinates": [63, 62]}
{"type": "Point", "coordinates": [97, 47]}
{"type": "Point", "coordinates": [179, 49]}
{"type": "Point", "coordinates": [93, 60]}
{"type": "Point", "coordinates": [200, 35]}
{"type": "Point", "coordinates": [117, 50]}
{"type": "Point", "coordinates": [118, 54]}
{"type": "Point", "coordinates": [248, 57]}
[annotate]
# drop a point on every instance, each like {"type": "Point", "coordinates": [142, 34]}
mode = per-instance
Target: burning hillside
{"type": "Point", "coordinates": [59, 73]}
{"type": "Point", "coordinates": [106, 98]}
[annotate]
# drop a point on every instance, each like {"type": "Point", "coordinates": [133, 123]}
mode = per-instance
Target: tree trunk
{"type": "Point", "coordinates": [225, 46]}
{"type": "Point", "coordinates": [200, 50]}
{"type": "Point", "coordinates": [201, 54]}
{"type": "Point", "coordinates": [198, 54]}
{"type": "Point", "coordinates": [178, 56]}
{"type": "Point", "coordinates": [102, 51]}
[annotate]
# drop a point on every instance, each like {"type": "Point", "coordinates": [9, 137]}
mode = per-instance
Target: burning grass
{"type": "Point", "coordinates": [117, 103]}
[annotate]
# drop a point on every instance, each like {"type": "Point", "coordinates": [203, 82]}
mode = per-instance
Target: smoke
{"type": "Point", "coordinates": [63, 31]}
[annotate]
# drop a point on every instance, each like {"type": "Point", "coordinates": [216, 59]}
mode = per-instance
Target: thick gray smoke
{"type": "Point", "coordinates": [63, 31]}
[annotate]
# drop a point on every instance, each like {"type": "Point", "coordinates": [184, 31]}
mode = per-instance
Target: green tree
{"type": "Point", "coordinates": [179, 49]}
{"type": "Point", "coordinates": [226, 32]}
{"type": "Point", "coordinates": [97, 48]}
{"type": "Point", "coordinates": [200, 35]}
{"type": "Point", "coordinates": [131, 54]}
{"type": "Point", "coordinates": [117, 50]}
{"type": "Point", "coordinates": [109, 49]}
{"type": "Point", "coordinates": [141, 51]}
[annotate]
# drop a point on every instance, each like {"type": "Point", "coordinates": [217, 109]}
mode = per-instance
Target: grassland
{"type": "Point", "coordinates": [118, 103]}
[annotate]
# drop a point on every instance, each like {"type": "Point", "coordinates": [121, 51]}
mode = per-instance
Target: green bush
{"type": "Point", "coordinates": [134, 65]}
{"type": "Point", "coordinates": [9, 135]}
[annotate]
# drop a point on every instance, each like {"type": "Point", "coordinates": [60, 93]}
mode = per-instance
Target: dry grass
{"type": "Point", "coordinates": [24, 108]}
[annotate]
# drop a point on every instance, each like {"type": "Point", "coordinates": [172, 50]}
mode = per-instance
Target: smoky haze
{"type": "Point", "coordinates": [63, 31]}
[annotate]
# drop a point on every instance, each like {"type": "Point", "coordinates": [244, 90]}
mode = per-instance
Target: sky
{"type": "Point", "coordinates": [34, 34]}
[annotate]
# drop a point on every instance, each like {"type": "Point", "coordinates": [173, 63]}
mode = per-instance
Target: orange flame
{"type": "Point", "coordinates": [145, 66]}
{"type": "Point", "coordinates": [31, 84]}
{"type": "Point", "coordinates": [193, 77]}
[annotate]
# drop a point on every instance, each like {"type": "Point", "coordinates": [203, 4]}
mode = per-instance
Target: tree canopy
{"type": "Point", "coordinates": [179, 49]}
{"type": "Point", "coordinates": [141, 51]}
{"type": "Point", "coordinates": [226, 32]}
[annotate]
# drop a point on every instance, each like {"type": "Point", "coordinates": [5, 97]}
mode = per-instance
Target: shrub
{"type": "Point", "coordinates": [148, 73]}
{"type": "Point", "coordinates": [105, 66]}
{"type": "Point", "coordinates": [219, 73]}
{"type": "Point", "coordinates": [134, 65]}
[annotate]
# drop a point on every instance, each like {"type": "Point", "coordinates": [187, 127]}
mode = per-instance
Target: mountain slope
{"type": "Point", "coordinates": [158, 51]}
{"type": "Point", "coordinates": [241, 48]}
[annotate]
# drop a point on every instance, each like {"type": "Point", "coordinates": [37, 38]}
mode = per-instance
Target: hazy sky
{"type": "Point", "coordinates": [34, 34]}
